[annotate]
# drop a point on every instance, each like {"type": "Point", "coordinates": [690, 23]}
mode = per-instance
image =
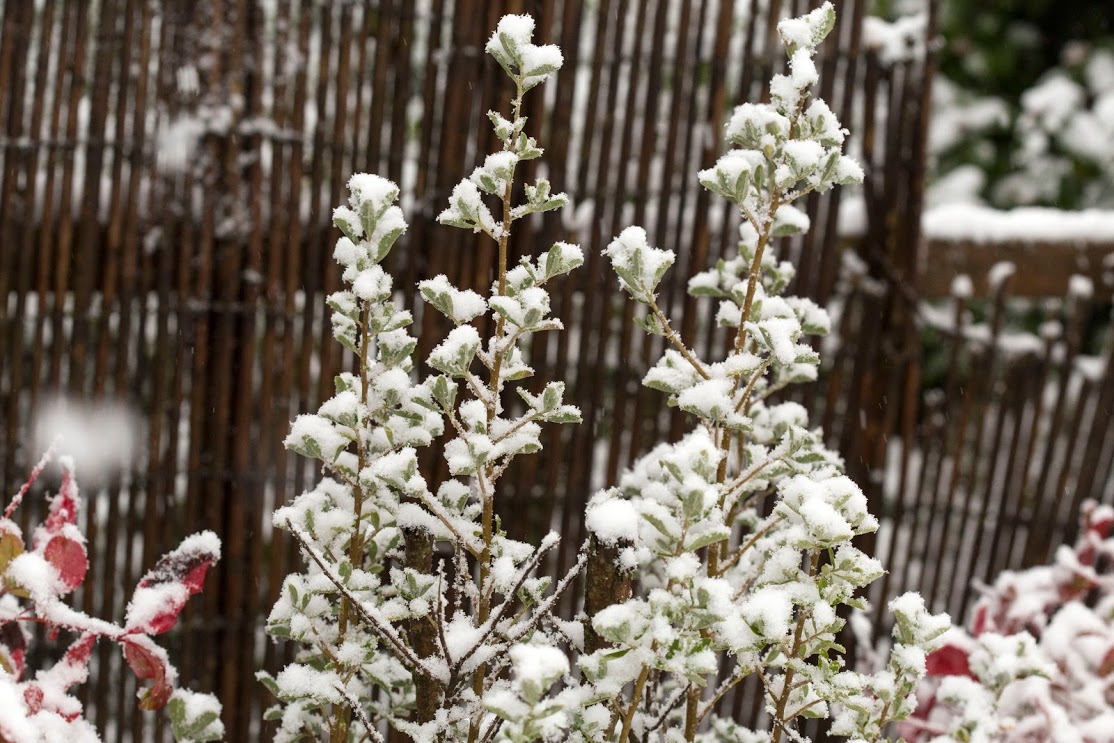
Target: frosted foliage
{"type": "Point", "coordinates": [808, 30]}
{"type": "Point", "coordinates": [195, 717]}
{"type": "Point", "coordinates": [729, 551]}
{"type": "Point", "coordinates": [721, 571]}
{"type": "Point", "coordinates": [467, 209]}
{"type": "Point", "coordinates": [804, 72]}
{"type": "Point", "coordinates": [35, 580]}
{"type": "Point", "coordinates": [541, 57]}
{"type": "Point", "coordinates": [511, 45]}
{"type": "Point", "coordinates": [639, 265]}
{"type": "Point", "coordinates": [372, 190]}
{"type": "Point", "coordinates": [519, 29]}
{"type": "Point", "coordinates": [756, 127]}
{"type": "Point", "coordinates": [414, 612]}
{"type": "Point", "coordinates": [1033, 661]}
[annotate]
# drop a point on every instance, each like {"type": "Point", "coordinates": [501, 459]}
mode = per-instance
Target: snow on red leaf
{"type": "Point", "coordinates": [163, 592]}
{"type": "Point", "coordinates": [1076, 588]}
{"type": "Point", "coordinates": [158, 600]}
{"type": "Point", "coordinates": [81, 650]}
{"type": "Point", "coordinates": [1098, 519]}
{"type": "Point", "coordinates": [69, 558]}
{"type": "Point", "coordinates": [33, 697]}
{"type": "Point", "coordinates": [186, 564]}
{"type": "Point", "coordinates": [154, 609]}
{"type": "Point", "coordinates": [149, 662]}
{"type": "Point", "coordinates": [948, 660]}
{"type": "Point", "coordinates": [63, 507]}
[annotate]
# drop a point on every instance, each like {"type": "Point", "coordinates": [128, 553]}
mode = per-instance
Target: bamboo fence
{"type": "Point", "coordinates": [169, 172]}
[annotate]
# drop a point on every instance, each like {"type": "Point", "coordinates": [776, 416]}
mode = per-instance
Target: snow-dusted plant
{"type": "Point", "coordinates": [33, 585]}
{"type": "Point", "coordinates": [415, 611]}
{"type": "Point", "coordinates": [1037, 660]}
{"type": "Point", "coordinates": [738, 538]}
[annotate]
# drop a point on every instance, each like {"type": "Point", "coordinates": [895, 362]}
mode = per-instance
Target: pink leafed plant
{"type": "Point", "coordinates": [1036, 662]}
{"type": "Point", "coordinates": [35, 578]}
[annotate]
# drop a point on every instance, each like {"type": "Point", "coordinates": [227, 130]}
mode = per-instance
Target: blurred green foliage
{"type": "Point", "coordinates": [1002, 47]}
{"type": "Point", "coordinates": [1047, 152]}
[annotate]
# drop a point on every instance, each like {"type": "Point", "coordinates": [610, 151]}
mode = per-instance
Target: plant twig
{"type": "Point", "coordinates": [787, 682]}
{"type": "Point", "coordinates": [636, 697]}
{"type": "Point", "coordinates": [46, 458]}
{"type": "Point", "coordinates": [672, 336]}
{"type": "Point", "coordinates": [748, 544]}
{"type": "Point", "coordinates": [354, 705]}
{"type": "Point", "coordinates": [381, 626]}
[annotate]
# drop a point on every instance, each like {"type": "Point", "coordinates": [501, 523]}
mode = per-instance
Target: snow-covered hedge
{"type": "Point", "coordinates": [1036, 662]}
{"type": "Point", "coordinates": [33, 585]}
{"type": "Point", "coordinates": [725, 555]}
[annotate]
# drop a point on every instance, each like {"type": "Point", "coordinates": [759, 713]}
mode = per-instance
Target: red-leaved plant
{"type": "Point", "coordinates": [35, 578]}
{"type": "Point", "coordinates": [1037, 660]}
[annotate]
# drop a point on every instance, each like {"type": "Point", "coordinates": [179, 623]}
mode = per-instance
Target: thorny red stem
{"type": "Point", "coordinates": [38, 469]}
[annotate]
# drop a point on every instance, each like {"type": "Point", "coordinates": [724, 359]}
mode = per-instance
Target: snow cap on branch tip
{"type": "Point", "coordinates": [807, 31]}
{"type": "Point", "coordinates": [639, 265]}
{"type": "Point", "coordinates": [365, 187]}
{"type": "Point", "coordinates": [525, 62]}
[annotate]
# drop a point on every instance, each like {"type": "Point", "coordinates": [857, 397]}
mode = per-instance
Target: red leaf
{"type": "Point", "coordinates": [155, 609]}
{"type": "Point", "coordinates": [13, 649]}
{"type": "Point", "coordinates": [949, 660]}
{"type": "Point", "coordinates": [1107, 664]}
{"type": "Point", "coordinates": [69, 559]}
{"type": "Point", "coordinates": [71, 670]}
{"type": "Point", "coordinates": [194, 580]}
{"type": "Point", "coordinates": [1079, 585]}
{"type": "Point", "coordinates": [149, 663]}
{"type": "Point", "coordinates": [981, 620]}
{"type": "Point", "coordinates": [33, 696]}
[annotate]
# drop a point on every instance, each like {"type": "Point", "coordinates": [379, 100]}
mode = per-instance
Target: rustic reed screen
{"type": "Point", "coordinates": [169, 171]}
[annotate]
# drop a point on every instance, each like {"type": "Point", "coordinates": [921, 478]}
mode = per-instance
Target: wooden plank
{"type": "Point", "coordinates": [1044, 269]}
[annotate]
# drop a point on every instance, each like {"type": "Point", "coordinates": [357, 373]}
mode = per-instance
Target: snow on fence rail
{"type": "Point", "coordinates": [1047, 247]}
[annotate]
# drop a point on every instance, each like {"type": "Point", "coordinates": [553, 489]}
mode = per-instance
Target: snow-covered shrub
{"type": "Point", "coordinates": [415, 611]}
{"type": "Point", "coordinates": [33, 585]}
{"type": "Point", "coordinates": [737, 540]}
{"type": "Point", "coordinates": [1037, 660]}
